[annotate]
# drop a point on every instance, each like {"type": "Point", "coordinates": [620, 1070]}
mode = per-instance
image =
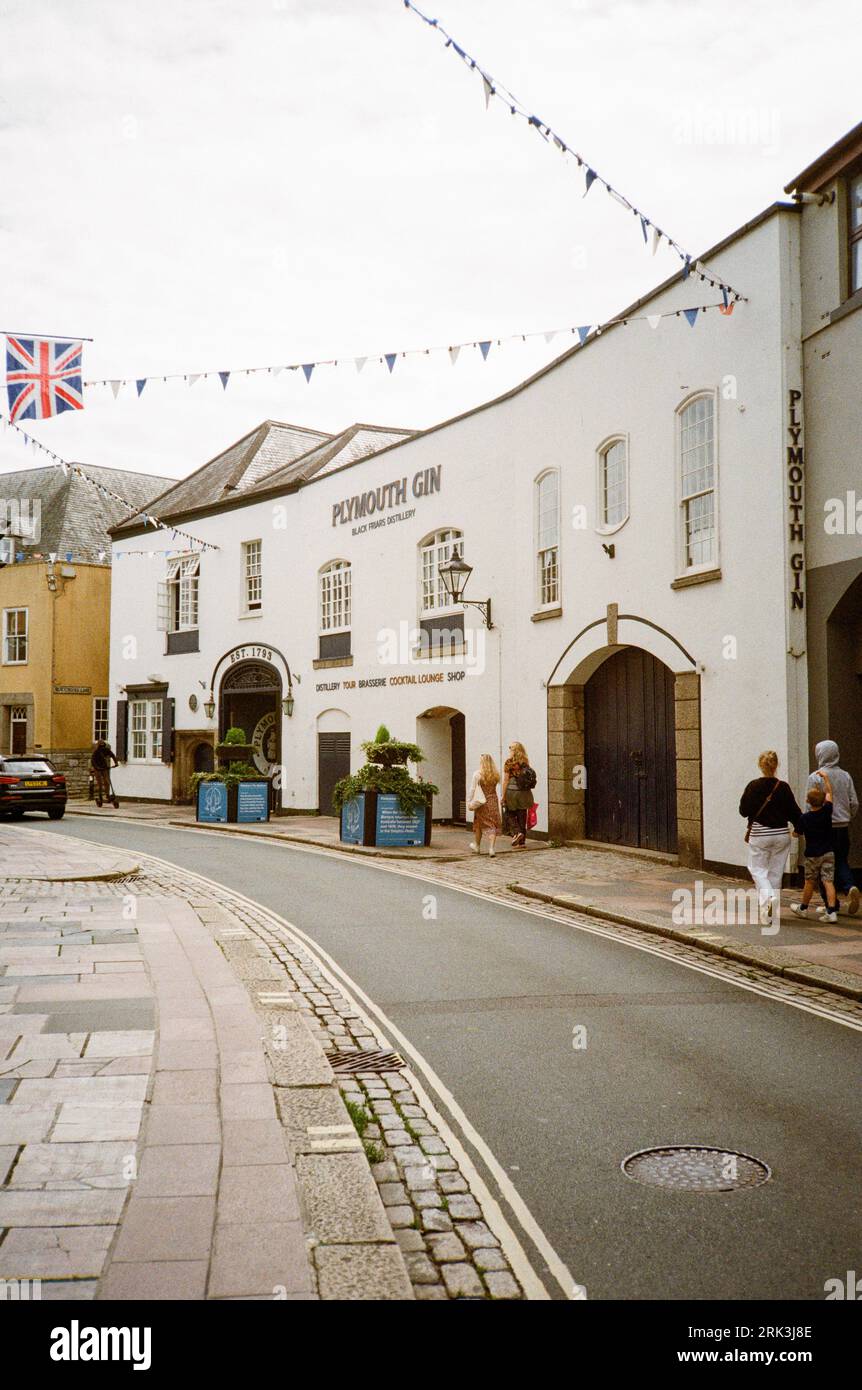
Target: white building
{"type": "Point", "coordinates": [628, 510]}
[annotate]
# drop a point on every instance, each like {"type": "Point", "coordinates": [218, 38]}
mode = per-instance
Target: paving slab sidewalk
{"type": "Point", "coordinates": [141, 1152]}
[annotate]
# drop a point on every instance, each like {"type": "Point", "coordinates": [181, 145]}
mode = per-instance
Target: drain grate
{"type": "Point", "coordinates": [694, 1168]}
{"type": "Point", "coordinates": [353, 1062]}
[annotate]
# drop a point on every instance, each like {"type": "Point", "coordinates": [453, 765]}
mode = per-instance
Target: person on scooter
{"type": "Point", "coordinates": [102, 759]}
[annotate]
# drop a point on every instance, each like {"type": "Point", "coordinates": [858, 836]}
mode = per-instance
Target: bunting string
{"type": "Point", "coordinates": [582, 332]}
{"type": "Point", "coordinates": [650, 231]}
{"type": "Point", "coordinates": [149, 518]}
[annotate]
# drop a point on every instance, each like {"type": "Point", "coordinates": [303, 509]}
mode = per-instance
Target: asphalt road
{"type": "Point", "coordinates": [490, 996]}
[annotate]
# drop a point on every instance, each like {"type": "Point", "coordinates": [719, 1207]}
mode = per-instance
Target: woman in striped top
{"type": "Point", "coordinates": [769, 805]}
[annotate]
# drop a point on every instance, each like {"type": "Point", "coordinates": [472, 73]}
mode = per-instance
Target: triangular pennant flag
{"type": "Point", "coordinates": [653, 320]}
{"type": "Point", "coordinates": [691, 315]}
{"type": "Point", "coordinates": [276, 370]}
{"type": "Point", "coordinates": [644, 229]}
{"type": "Point", "coordinates": [725, 309]}
{"type": "Point", "coordinates": [485, 348]}
{"type": "Point", "coordinates": [724, 295]}
{"type": "Point", "coordinates": [390, 359]}
{"type": "Point", "coordinates": [224, 378]}
{"type": "Point", "coordinates": [549, 337]}
{"type": "Point", "coordinates": [194, 378]}
{"type": "Point", "coordinates": [308, 368]}
{"type": "Point", "coordinates": [115, 387]}
{"type": "Point", "coordinates": [453, 354]}
{"type": "Point", "coordinates": [686, 268]}
{"type": "Point", "coordinates": [360, 363]}
{"type": "Point", "coordinates": [52, 557]}
{"type": "Point", "coordinates": [590, 180]}
{"type": "Point", "coordinates": [583, 333]}
{"type": "Point", "coordinates": [559, 144]}
{"type": "Point", "coordinates": [141, 383]}
{"type": "Point", "coordinates": [656, 238]}
{"type": "Point", "coordinates": [489, 92]}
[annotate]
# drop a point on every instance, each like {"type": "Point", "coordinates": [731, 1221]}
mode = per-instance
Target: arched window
{"type": "Point", "coordinates": [547, 493]}
{"type": "Point", "coordinates": [335, 610]}
{"type": "Point", "coordinates": [613, 500]}
{"type": "Point", "coordinates": [697, 483]}
{"type": "Point", "coordinates": [434, 551]}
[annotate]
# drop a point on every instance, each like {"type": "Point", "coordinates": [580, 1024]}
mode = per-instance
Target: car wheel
{"type": "Point", "coordinates": [17, 815]}
{"type": "Point", "coordinates": [56, 813]}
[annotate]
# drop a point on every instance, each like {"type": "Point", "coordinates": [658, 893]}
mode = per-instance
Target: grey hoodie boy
{"type": "Point", "coordinates": [845, 802]}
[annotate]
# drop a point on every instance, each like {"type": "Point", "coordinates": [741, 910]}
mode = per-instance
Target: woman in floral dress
{"type": "Point", "coordinates": [486, 813]}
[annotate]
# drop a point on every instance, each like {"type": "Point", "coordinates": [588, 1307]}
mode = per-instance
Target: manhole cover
{"type": "Point", "coordinates": [352, 1062]}
{"type": "Point", "coordinates": [693, 1168]}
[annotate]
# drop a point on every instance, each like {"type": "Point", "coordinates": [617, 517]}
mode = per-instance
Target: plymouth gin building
{"type": "Point", "coordinates": [609, 564]}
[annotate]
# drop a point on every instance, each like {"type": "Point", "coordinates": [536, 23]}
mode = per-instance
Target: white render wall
{"type": "Point", "coordinates": [631, 381]}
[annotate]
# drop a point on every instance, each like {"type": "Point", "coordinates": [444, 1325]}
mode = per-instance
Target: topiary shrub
{"type": "Point", "coordinates": [235, 735]}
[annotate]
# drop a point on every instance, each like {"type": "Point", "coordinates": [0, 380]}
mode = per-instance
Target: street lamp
{"type": "Point", "coordinates": [455, 573]}
{"type": "Point", "coordinates": [288, 701]}
{"type": "Point", "coordinates": [209, 706]}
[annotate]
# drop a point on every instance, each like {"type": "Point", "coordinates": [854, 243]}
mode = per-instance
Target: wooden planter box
{"type": "Point", "coordinates": [234, 752]}
{"type": "Point", "coordinates": [376, 818]}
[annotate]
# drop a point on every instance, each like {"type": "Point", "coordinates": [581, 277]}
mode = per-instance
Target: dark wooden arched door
{"type": "Point", "coordinates": [630, 752]}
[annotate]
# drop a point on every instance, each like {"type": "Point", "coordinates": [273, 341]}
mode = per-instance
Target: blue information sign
{"type": "Point", "coordinates": [353, 820]}
{"type": "Point", "coordinates": [252, 801]}
{"type": "Point", "coordinates": [212, 801]}
{"type": "Point", "coordinates": [396, 827]}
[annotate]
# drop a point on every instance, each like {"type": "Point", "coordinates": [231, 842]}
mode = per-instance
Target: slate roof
{"type": "Point", "coordinates": [273, 455]}
{"type": "Point", "coordinates": [75, 516]}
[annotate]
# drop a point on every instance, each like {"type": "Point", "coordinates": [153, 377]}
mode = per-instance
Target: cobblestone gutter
{"type": "Point", "coordinates": [339, 1129]}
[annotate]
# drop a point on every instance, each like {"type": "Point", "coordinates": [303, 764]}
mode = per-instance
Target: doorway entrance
{"type": "Point", "coordinates": [441, 734]}
{"type": "Point", "coordinates": [333, 763]}
{"type": "Point", "coordinates": [844, 677]}
{"type": "Point", "coordinates": [250, 699]}
{"type": "Point", "coordinates": [630, 752]}
{"type": "Point", "coordinates": [18, 729]}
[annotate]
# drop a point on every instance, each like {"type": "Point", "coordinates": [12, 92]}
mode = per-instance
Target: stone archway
{"type": "Point", "coordinates": [654, 651]}
{"type": "Point", "coordinates": [250, 699]}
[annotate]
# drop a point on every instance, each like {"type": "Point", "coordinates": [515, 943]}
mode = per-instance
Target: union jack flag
{"type": "Point", "coordinates": [43, 377]}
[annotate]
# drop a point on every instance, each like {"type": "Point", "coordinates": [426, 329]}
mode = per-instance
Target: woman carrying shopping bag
{"type": "Point", "coordinates": [484, 803]}
{"type": "Point", "coordinates": [518, 782]}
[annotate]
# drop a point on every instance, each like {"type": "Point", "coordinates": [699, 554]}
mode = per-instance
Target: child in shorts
{"type": "Point", "coordinates": [819, 853]}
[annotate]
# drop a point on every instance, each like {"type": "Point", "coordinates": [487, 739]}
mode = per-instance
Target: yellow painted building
{"type": "Point", "coordinates": [55, 595]}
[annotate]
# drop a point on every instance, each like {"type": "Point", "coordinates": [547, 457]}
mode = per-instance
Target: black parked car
{"type": "Point", "coordinates": [30, 784]}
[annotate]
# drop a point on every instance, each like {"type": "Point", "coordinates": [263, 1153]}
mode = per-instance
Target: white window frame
{"type": "Point", "coordinates": [100, 721]}
{"type": "Point", "coordinates": [433, 552]}
{"type": "Point", "coordinates": [252, 578]}
{"type": "Point", "coordinates": [548, 587]}
{"type": "Point", "coordinates": [684, 496]}
{"type": "Point", "coordinates": [605, 527]}
{"type": "Point", "coordinates": [334, 597]}
{"type": "Point", "coordinates": [145, 722]}
{"type": "Point", "coordinates": [17, 637]}
{"type": "Point", "coordinates": [183, 588]}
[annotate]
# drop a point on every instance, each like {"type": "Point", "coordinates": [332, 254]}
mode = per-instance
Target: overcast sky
{"type": "Point", "coordinates": [216, 184]}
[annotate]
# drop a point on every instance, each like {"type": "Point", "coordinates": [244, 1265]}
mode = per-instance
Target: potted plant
{"type": "Point", "coordinates": [234, 748]}
{"type": "Point", "coordinates": [382, 803]}
{"type": "Point", "coordinates": [230, 804]}
{"type": "Point", "coordinates": [386, 751]}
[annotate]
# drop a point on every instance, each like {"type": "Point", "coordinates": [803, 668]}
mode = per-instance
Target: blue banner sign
{"type": "Point", "coordinates": [212, 801]}
{"type": "Point", "coordinates": [353, 820]}
{"type": "Point", "coordinates": [252, 801]}
{"type": "Point", "coordinates": [397, 827]}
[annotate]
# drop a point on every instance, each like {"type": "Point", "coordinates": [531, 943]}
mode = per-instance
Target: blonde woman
{"type": "Point", "coordinates": [518, 782]}
{"type": "Point", "coordinates": [768, 804]}
{"type": "Point", "coordinates": [484, 804]}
